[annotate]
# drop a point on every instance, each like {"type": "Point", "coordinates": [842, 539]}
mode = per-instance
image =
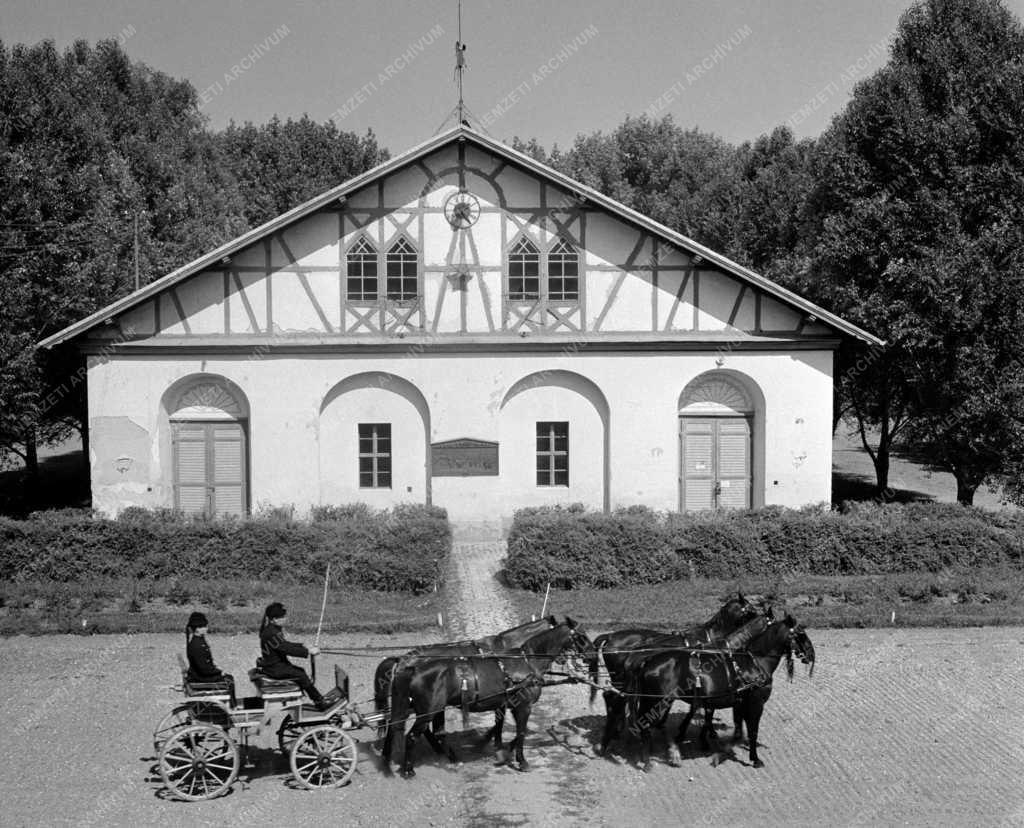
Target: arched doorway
{"type": "Point", "coordinates": [718, 421]}
{"type": "Point", "coordinates": [209, 446]}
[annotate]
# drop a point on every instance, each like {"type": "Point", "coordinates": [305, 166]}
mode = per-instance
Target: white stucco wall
{"type": "Point", "coordinates": [303, 444]}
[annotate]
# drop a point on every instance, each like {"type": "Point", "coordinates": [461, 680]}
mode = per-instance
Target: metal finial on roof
{"type": "Point", "coordinates": [460, 113]}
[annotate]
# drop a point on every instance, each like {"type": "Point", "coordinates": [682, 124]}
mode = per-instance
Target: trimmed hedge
{"type": "Point", "coordinates": [398, 550]}
{"type": "Point", "coordinates": [571, 547]}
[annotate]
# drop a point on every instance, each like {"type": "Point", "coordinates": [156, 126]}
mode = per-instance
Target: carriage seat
{"type": "Point", "coordinates": [207, 689]}
{"type": "Point", "coordinates": [272, 687]}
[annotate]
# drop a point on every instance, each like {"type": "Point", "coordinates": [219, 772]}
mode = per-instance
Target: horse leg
{"type": "Point", "coordinates": [495, 732]}
{"type": "Point", "coordinates": [521, 713]}
{"type": "Point", "coordinates": [752, 709]}
{"type": "Point", "coordinates": [612, 720]}
{"type": "Point", "coordinates": [418, 728]}
{"type": "Point", "coordinates": [675, 750]}
{"type": "Point", "coordinates": [438, 737]}
{"type": "Point", "coordinates": [737, 723]}
{"type": "Point", "coordinates": [642, 727]}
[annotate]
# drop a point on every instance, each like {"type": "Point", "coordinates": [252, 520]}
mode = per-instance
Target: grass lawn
{"type": "Point", "coordinates": [231, 605]}
{"type": "Point", "coordinates": [917, 599]}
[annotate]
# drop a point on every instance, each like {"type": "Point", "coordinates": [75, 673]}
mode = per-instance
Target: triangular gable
{"type": "Point", "coordinates": [718, 296]}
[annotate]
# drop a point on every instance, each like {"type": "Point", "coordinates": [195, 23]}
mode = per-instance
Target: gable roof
{"type": "Point", "coordinates": [458, 133]}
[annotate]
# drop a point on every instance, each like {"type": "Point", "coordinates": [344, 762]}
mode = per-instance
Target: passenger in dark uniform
{"type": "Point", "coordinates": [275, 649]}
{"type": "Point", "coordinates": [200, 660]}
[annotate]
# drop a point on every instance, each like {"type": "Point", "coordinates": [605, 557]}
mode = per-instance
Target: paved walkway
{"type": "Point", "coordinates": [475, 603]}
{"type": "Point", "coordinates": [555, 791]}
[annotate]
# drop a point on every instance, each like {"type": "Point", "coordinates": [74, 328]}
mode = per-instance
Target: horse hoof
{"type": "Point", "coordinates": [503, 757]}
{"type": "Point", "coordinates": [758, 763]}
{"type": "Point", "coordinates": [523, 766]}
{"type": "Point", "coordinates": [408, 773]}
{"type": "Point", "coordinates": [647, 767]}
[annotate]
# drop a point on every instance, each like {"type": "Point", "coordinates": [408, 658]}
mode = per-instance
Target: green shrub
{"type": "Point", "coordinates": [399, 550]}
{"type": "Point", "coordinates": [571, 548]}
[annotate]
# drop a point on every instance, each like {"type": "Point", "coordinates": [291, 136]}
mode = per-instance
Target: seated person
{"type": "Point", "coordinates": [275, 649]}
{"type": "Point", "coordinates": [200, 660]}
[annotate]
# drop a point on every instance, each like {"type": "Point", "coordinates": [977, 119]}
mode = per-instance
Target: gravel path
{"type": "Point", "coordinates": [897, 727]}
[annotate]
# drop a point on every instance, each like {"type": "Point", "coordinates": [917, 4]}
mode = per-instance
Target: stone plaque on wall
{"type": "Point", "coordinates": [464, 458]}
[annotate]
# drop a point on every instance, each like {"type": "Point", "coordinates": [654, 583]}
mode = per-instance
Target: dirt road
{"type": "Point", "coordinates": [916, 727]}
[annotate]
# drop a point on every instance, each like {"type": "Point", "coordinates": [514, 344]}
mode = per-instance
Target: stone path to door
{"type": "Point", "coordinates": [557, 790]}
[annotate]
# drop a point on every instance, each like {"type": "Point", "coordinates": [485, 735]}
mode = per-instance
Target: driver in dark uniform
{"type": "Point", "coordinates": [275, 649]}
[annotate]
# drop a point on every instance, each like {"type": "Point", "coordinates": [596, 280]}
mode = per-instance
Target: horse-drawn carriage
{"type": "Point", "coordinates": [727, 662]}
{"type": "Point", "coordinates": [201, 743]}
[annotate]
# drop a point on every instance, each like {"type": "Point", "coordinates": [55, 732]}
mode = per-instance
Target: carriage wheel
{"type": "Point", "coordinates": [176, 719]}
{"type": "Point", "coordinates": [199, 761]}
{"type": "Point", "coordinates": [287, 733]}
{"type": "Point", "coordinates": [186, 714]}
{"type": "Point", "coordinates": [324, 757]}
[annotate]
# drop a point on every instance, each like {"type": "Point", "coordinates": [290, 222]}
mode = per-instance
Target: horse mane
{"type": "Point", "coordinates": [741, 637]}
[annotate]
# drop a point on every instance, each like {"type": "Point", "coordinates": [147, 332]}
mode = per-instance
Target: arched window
{"type": "Point", "coordinates": [362, 272]}
{"type": "Point", "coordinates": [563, 273]}
{"type": "Point", "coordinates": [524, 271]}
{"type": "Point", "coordinates": [403, 281]}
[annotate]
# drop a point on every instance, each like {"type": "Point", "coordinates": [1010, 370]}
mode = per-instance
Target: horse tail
{"type": "Point", "coordinates": [401, 687]}
{"type": "Point", "coordinates": [594, 665]}
{"type": "Point", "coordinates": [381, 691]}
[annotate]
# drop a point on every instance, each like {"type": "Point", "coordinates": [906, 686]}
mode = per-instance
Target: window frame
{"type": "Point", "coordinates": [547, 458]}
{"type": "Point", "coordinates": [374, 455]}
{"type": "Point", "coordinates": [411, 256]}
{"type": "Point", "coordinates": [366, 257]}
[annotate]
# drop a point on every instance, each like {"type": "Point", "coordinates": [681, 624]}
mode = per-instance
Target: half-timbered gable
{"type": "Point", "coordinates": [462, 312]}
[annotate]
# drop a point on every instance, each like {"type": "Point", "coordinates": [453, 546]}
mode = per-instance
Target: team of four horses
{"type": "Point", "coordinates": [726, 662]}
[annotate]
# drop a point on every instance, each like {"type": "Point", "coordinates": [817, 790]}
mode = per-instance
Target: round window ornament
{"type": "Point", "coordinates": [462, 209]}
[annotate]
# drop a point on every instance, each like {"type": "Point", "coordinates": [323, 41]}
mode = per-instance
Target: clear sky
{"type": "Point", "coordinates": [762, 62]}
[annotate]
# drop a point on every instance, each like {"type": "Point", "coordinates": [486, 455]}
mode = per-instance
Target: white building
{"type": "Point", "coordinates": [466, 327]}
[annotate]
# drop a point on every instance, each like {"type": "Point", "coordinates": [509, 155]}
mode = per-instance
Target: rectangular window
{"type": "Point", "coordinates": [375, 455]}
{"type": "Point", "coordinates": [361, 282]}
{"type": "Point", "coordinates": [552, 454]}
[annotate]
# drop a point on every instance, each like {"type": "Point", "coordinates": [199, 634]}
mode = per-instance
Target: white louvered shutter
{"type": "Point", "coordinates": [190, 467]}
{"type": "Point", "coordinates": [228, 469]}
{"type": "Point", "coordinates": [698, 464]}
{"type": "Point", "coordinates": [733, 463]}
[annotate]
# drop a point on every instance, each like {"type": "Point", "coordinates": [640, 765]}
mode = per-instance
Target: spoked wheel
{"type": "Point", "coordinates": [324, 757]}
{"type": "Point", "coordinates": [287, 733]}
{"type": "Point", "coordinates": [186, 714]}
{"type": "Point", "coordinates": [199, 762]}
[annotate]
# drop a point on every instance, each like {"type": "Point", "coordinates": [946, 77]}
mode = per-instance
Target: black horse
{"type": "Point", "coordinates": [497, 643]}
{"type": "Point", "coordinates": [477, 683]}
{"type": "Point", "coordinates": [713, 679]}
{"type": "Point", "coordinates": [620, 651]}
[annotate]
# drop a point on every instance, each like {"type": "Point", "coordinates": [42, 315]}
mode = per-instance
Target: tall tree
{"type": "Point", "coordinates": [96, 152]}
{"type": "Point", "coordinates": [914, 234]}
{"type": "Point", "coordinates": [279, 165]}
{"type": "Point", "coordinates": [686, 179]}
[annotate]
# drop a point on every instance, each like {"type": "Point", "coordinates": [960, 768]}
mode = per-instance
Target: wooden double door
{"type": "Point", "coordinates": [715, 463]}
{"type": "Point", "coordinates": [210, 467]}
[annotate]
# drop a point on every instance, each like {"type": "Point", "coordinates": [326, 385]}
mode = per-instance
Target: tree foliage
{"type": "Point", "coordinates": [92, 143]}
{"type": "Point", "coordinates": [915, 234]}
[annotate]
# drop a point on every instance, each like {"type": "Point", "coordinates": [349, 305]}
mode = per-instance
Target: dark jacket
{"type": "Point", "coordinates": [200, 661]}
{"type": "Point", "coordinates": [274, 649]}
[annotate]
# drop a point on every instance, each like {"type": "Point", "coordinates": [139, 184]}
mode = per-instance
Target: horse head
{"type": "Point", "coordinates": [798, 644]}
{"type": "Point", "coordinates": [578, 650]}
